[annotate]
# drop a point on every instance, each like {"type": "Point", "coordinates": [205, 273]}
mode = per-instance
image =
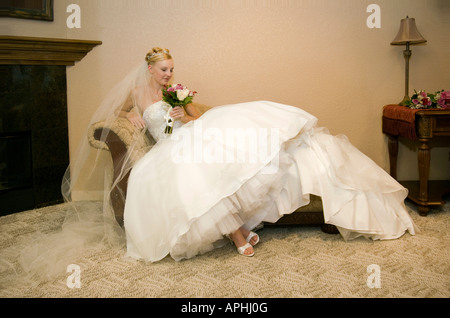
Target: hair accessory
{"type": "Point", "coordinates": [149, 56]}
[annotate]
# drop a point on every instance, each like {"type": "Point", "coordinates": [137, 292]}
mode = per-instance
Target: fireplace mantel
{"type": "Point", "coordinates": [20, 50]}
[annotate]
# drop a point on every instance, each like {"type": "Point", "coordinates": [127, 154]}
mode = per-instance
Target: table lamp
{"type": "Point", "coordinates": [407, 35]}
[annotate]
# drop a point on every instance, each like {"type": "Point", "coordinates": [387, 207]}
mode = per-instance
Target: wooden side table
{"type": "Point", "coordinates": [421, 125]}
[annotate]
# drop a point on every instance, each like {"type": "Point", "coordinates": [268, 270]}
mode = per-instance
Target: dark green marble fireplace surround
{"type": "Point", "coordinates": [33, 106]}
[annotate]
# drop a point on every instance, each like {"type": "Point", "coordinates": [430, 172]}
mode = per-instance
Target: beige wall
{"type": "Point", "coordinates": [315, 54]}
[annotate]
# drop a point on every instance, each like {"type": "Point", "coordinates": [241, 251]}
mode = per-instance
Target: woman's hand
{"type": "Point", "coordinates": [136, 120]}
{"type": "Point", "coordinates": [178, 113]}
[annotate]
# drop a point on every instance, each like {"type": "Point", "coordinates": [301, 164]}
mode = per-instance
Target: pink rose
{"type": "Point", "coordinates": [445, 95]}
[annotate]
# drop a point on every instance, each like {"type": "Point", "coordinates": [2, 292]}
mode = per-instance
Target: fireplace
{"type": "Point", "coordinates": [34, 142]}
{"type": "Point", "coordinates": [16, 172]}
{"type": "Point", "coordinates": [34, 146]}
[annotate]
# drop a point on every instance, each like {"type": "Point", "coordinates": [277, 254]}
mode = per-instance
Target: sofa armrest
{"type": "Point", "coordinates": [116, 137]}
{"type": "Point", "coordinates": [118, 150]}
{"type": "Point", "coordinates": [120, 131]}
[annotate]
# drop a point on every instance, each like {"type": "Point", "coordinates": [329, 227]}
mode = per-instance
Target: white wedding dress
{"type": "Point", "coordinates": [242, 164]}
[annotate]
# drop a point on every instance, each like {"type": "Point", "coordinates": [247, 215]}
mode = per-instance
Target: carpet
{"type": "Point", "coordinates": [290, 262]}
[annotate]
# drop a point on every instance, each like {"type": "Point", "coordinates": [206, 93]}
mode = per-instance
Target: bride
{"type": "Point", "coordinates": [220, 174]}
{"type": "Point", "coordinates": [214, 179]}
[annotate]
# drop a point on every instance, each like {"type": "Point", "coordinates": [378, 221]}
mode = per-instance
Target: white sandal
{"type": "Point", "coordinates": [250, 236]}
{"type": "Point", "coordinates": [241, 250]}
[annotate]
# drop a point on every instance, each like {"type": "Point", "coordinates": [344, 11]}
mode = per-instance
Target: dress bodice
{"type": "Point", "coordinates": [155, 117]}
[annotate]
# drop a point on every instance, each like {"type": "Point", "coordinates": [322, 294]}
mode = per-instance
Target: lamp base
{"type": "Point", "coordinates": [405, 101]}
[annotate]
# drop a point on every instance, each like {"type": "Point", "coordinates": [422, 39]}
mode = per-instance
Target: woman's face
{"type": "Point", "coordinates": [162, 71]}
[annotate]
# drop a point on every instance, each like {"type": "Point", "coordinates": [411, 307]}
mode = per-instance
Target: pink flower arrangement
{"type": "Point", "coordinates": [444, 99]}
{"type": "Point", "coordinates": [421, 99]}
{"type": "Point", "coordinates": [178, 95]}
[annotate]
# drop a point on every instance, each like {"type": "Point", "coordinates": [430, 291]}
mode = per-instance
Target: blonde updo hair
{"type": "Point", "coordinates": [157, 54]}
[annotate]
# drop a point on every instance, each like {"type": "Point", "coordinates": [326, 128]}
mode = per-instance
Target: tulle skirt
{"type": "Point", "coordinates": [243, 164]}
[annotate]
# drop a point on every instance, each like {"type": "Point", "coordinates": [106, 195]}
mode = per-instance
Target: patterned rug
{"type": "Point", "coordinates": [290, 262]}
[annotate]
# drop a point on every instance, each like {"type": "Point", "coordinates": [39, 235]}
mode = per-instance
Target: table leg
{"type": "Point", "coordinates": [424, 170]}
{"type": "Point", "coordinates": [393, 155]}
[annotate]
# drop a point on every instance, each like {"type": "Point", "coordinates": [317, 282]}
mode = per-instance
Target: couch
{"type": "Point", "coordinates": [121, 133]}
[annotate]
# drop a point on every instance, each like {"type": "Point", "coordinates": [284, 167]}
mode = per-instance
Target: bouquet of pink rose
{"type": "Point", "coordinates": [421, 99]}
{"type": "Point", "coordinates": [176, 96]}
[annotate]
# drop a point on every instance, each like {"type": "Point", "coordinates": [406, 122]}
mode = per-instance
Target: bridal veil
{"type": "Point", "coordinates": [89, 223]}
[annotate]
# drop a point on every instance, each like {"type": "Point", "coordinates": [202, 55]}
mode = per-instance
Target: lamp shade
{"type": "Point", "coordinates": [408, 33]}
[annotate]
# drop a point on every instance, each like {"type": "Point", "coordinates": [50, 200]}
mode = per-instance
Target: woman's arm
{"type": "Point", "coordinates": [185, 114]}
{"type": "Point", "coordinates": [127, 112]}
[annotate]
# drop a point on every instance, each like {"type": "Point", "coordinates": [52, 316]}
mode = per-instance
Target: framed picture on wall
{"type": "Point", "coordinates": [27, 9]}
